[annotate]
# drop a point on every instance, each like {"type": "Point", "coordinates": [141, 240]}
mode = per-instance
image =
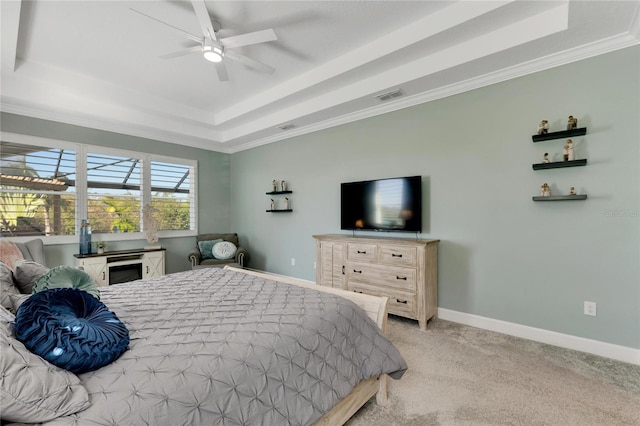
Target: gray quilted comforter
{"type": "Point", "coordinates": [218, 347]}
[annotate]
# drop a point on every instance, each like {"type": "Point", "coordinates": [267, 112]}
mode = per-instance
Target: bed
{"type": "Point", "coordinates": [236, 347]}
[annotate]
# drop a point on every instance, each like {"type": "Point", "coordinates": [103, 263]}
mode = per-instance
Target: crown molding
{"type": "Point", "coordinates": [541, 64]}
{"type": "Point", "coordinates": [75, 119]}
{"type": "Point", "coordinates": [203, 141]}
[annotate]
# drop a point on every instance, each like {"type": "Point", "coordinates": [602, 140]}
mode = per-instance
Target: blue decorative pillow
{"type": "Point", "coordinates": [206, 247]}
{"type": "Point", "coordinates": [224, 250]}
{"type": "Point", "coordinates": [71, 329]}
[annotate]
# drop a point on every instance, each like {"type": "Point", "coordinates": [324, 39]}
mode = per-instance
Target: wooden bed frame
{"type": "Point", "coordinates": [376, 308]}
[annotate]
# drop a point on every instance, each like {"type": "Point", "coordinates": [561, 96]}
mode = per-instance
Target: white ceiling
{"type": "Point", "coordinates": [97, 63]}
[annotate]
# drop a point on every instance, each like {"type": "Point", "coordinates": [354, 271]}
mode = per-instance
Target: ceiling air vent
{"type": "Point", "coordinates": [287, 126]}
{"type": "Point", "coordinates": [384, 97]}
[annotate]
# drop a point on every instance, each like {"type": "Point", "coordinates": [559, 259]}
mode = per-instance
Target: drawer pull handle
{"type": "Point", "coordinates": [362, 252]}
{"type": "Point", "coordinates": [357, 291]}
{"type": "Point", "coordinates": [357, 272]}
{"type": "Point", "coordinates": [342, 269]}
{"type": "Point", "coordinates": [401, 278]}
{"type": "Point", "coordinates": [104, 275]}
{"type": "Point", "coordinates": [395, 255]}
{"type": "Point", "coordinates": [402, 301]}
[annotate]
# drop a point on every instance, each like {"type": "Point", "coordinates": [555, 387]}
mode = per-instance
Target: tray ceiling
{"type": "Point", "coordinates": [99, 64]}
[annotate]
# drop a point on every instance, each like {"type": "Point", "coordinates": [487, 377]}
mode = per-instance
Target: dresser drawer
{"type": "Point", "coordinates": [400, 302]}
{"type": "Point", "coordinates": [361, 251]}
{"type": "Point", "coordinates": [388, 276]}
{"type": "Point", "coordinates": [396, 255]}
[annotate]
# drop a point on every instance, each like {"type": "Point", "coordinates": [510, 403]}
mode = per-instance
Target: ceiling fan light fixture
{"type": "Point", "coordinates": [213, 52]}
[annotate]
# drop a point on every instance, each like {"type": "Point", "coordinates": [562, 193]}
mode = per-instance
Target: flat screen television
{"type": "Point", "coordinates": [393, 204]}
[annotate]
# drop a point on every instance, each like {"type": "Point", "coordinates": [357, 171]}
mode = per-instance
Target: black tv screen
{"type": "Point", "coordinates": [393, 204]}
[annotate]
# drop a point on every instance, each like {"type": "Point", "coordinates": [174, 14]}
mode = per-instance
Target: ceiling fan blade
{"type": "Point", "coordinates": [221, 70]}
{"type": "Point", "coordinates": [189, 51]}
{"type": "Point", "coordinates": [251, 63]}
{"type": "Point", "coordinates": [184, 33]}
{"type": "Point", "coordinates": [249, 38]}
{"type": "Point", "coordinates": [200, 7]}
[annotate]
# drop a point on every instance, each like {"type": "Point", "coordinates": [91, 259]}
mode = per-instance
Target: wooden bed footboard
{"type": "Point", "coordinates": [376, 308]}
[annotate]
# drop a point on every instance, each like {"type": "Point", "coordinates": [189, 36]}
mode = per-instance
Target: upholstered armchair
{"type": "Point", "coordinates": [206, 242]}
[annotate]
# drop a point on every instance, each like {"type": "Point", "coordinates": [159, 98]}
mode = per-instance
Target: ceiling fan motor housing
{"type": "Point", "coordinates": [212, 50]}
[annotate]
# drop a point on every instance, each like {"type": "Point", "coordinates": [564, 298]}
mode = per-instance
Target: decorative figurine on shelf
{"type": "Point", "coordinates": [274, 185]}
{"type": "Point", "coordinates": [545, 159]}
{"type": "Point", "coordinates": [273, 204]}
{"type": "Point", "coordinates": [543, 127]}
{"type": "Point", "coordinates": [283, 186]}
{"type": "Point", "coordinates": [572, 123]}
{"type": "Point", "coordinates": [572, 191]}
{"type": "Point", "coordinates": [286, 203]}
{"type": "Point", "coordinates": [545, 190]}
{"type": "Point", "coordinates": [570, 154]}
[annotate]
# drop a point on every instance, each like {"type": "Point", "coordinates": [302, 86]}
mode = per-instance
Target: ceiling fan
{"type": "Point", "coordinates": [216, 49]}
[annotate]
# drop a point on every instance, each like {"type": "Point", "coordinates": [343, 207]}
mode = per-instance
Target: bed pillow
{"type": "Point", "coordinates": [71, 329]}
{"type": "Point", "coordinates": [206, 247]}
{"type": "Point", "coordinates": [224, 250]}
{"type": "Point", "coordinates": [67, 277]}
{"type": "Point", "coordinates": [26, 272]}
{"type": "Point", "coordinates": [7, 287]}
{"type": "Point", "coordinates": [17, 300]}
{"type": "Point", "coordinates": [32, 390]}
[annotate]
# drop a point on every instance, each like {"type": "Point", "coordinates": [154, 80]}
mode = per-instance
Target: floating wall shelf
{"type": "Point", "coordinates": [559, 135]}
{"type": "Point", "coordinates": [559, 164]}
{"type": "Point", "coordinates": [278, 192]}
{"type": "Point", "coordinates": [562, 198]}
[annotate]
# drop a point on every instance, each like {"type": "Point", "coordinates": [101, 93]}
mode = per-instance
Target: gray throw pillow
{"type": "Point", "coordinates": [7, 286]}
{"type": "Point", "coordinates": [33, 390]}
{"type": "Point", "coordinates": [26, 273]}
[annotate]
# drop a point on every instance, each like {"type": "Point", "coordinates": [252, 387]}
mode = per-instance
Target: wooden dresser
{"type": "Point", "coordinates": [404, 270]}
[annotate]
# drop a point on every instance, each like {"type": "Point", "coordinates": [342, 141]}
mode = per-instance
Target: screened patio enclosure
{"type": "Point", "coordinates": [44, 189]}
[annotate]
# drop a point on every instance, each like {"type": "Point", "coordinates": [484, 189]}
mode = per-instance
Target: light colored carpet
{"type": "Point", "coordinates": [460, 375]}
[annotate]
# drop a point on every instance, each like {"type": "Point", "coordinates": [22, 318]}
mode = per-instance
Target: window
{"type": "Point", "coordinates": [170, 189]}
{"type": "Point", "coordinates": [113, 193]}
{"type": "Point", "coordinates": [38, 190]}
{"type": "Point", "coordinates": [47, 190]}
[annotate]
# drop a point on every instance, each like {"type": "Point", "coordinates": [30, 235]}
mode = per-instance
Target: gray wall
{"type": "Point", "coordinates": [213, 183]}
{"type": "Point", "coordinates": [502, 255]}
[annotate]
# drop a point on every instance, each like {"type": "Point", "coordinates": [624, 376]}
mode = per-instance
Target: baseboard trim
{"type": "Point", "coordinates": [608, 350]}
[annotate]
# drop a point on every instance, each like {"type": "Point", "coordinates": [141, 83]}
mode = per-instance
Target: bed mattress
{"type": "Point", "coordinates": [220, 347]}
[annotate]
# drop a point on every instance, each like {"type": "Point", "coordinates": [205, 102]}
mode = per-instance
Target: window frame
{"type": "Point", "coordinates": [81, 206]}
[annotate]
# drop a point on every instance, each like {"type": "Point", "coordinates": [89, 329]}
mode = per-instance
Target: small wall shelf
{"type": "Point", "coordinates": [561, 198]}
{"type": "Point", "coordinates": [559, 135]}
{"type": "Point", "coordinates": [559, 164]}
{"type": "Point", "coordinates": [286, 199]}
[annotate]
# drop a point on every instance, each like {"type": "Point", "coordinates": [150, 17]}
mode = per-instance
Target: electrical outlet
{"type": "Point", "coordinates": [590, 308]}
{"type": "Point", "coordinates": [293, 262]}
{"type": "Point", "coordinates": [314, 265]}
